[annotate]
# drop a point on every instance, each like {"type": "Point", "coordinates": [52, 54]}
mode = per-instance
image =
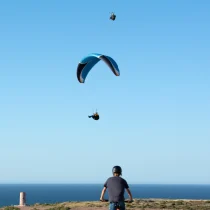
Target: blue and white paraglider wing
{"type": "Point", "coordinates": [87, 63]}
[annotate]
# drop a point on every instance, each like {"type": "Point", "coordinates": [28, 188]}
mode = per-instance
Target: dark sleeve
{"type": "Point", "coordinates": [126, 184]}
{"type": "Point", "coordinates": [105, 184]}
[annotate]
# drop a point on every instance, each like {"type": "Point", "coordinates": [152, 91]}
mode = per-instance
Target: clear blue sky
{"type": "Point", "coordinates": [155, 117]}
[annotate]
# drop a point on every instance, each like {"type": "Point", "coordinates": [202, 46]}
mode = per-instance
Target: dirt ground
{"type": "Point", "coordinates": [138, 204]}
{"type": "Point", "coordinates": [74, 208]}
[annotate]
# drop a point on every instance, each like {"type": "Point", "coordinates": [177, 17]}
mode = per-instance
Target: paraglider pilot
{"type": "Point", "coordinates": [95, 116]}
{"type": "Point", "coordinates": [113, 16]}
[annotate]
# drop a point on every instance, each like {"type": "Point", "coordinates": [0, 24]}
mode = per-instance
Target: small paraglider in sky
{"type": "Point", "coordinates": [113, 16]}
{"type": "Point", "coordinates": [95, 116]}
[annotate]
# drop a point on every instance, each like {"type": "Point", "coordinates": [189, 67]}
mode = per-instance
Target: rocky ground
{"type": "Point", "coordinates": [138, 204]}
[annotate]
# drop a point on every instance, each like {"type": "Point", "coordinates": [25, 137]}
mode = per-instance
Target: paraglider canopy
{"type": "Point", "coordinates": [113, 16]}
{"type": "Point", "coordinates": [87, 63]}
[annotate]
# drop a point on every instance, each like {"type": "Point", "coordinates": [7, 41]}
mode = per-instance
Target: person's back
{"type": "Point", "coordinates": [116, 187]}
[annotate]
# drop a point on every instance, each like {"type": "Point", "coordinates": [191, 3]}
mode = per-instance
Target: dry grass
{"type": "Point", "coordinates": [138, 204]}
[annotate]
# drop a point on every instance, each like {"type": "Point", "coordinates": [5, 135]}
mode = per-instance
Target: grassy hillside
{"type": "Point", "coordinates": [138, 204]}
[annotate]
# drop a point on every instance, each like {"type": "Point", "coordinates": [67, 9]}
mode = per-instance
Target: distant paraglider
{"type": "Point", "coordinates": [113, 16]}
{"type": "Point", "coordinates": [87, 63]}
{"type": "Point", "coordinates": [95, 116]}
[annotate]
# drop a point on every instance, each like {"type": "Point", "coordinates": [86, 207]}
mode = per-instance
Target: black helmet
{"type": "Point", "coordinates": [117, 169]}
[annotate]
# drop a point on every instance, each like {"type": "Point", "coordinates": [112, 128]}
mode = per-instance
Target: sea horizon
{"type": "Point", "coordinates": [97, 183]}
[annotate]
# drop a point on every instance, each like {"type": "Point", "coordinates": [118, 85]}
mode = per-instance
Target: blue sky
{"type": "Point", "coordinates": [154, 118]}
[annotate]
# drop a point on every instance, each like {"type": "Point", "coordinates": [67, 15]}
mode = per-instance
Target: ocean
{"type": "Point", "coordinates": [52, 193]}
